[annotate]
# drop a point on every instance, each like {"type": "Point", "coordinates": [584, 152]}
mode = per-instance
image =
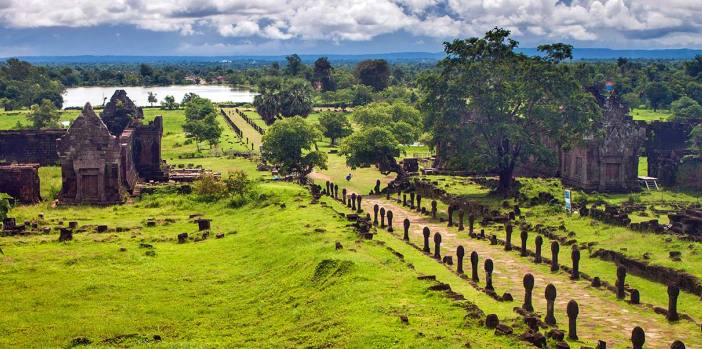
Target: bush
{"type": "Point", "coordinates": [210, 188]}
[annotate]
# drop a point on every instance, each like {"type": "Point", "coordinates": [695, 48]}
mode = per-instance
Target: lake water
{"type": "Point", "coordinates": [78, 96]}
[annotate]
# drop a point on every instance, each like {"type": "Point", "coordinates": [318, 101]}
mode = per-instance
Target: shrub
{"type": "Point", "coordinates": [210, 188]}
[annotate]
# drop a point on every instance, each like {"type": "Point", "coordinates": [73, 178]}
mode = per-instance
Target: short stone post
{"type": "Point", "coordinates": [66, 234]}
{"type": "Point", "coordinates": [528, 288]}
{"type": "Point", "coordinates": [461, 214]}
{"type": "Point", "coordinates": [406, 226]}
{"type": "Point", "coordinates": [433, 209]}
{"type": "Point", "coordinates": [524, 235]}
{"type": "Point", "coordinates": [474, 266]}
{"type": "Point", "coordinates": [377, 187]}
{"type": "Point", "coordinates": [382, 217]}
{"type": "Point", "coordinates": [328, 192]}
{"type": "Point", "coordinates": [412, 200]}
{"type": "Point", "coordinates": [508, 237]}
{"type": "Point", "coordinates": [358, 204]}
{"type": "Point", "coordinates": [437, 246]}
{"type": "Point", "coordinates": [203, 224]}
{"type": "Point", "coordinates": [635, 297]}
{"type": "Point", "coordinates": [343, 196]}
{"type": "Point", "coordinates": [572, 311]}
{"type": "Point", "coordinates": [554, 256]}
{"type": "Point", "coordinates": [419, 202]}
{"type": "Point", "coordinates": [426, 234]}
{"type": "Point", "coordinates": [389, 214]}
{"type": "Point", "coordinates": [539, 241]}
{"type": "Point", "coordinates": [460, 252]}
{"type": "Point", "coordinates": [638, 337]}
{"type": "Point", "coordinates": [375, 214]}
{"type": "Point", "coordinates": [621, 277]}
{"type": "Point", "coordinates": [353, 201]}
{"type": "Point", "coordinates": [575, 257]}
{"type": "Point", "coordinates": [336, 191]}
{"type": "Point", "coordinates": [488, 275]}
{"type": "Point", "coordinates": [550, 301]}
{"type": "Point", "coordinates": [673, 293]}
{"type": "Point", "coordinates": [404, 199]}
{"type": "Point", "coordinates": [677, 345]}
{"type": "Point", "coordinates": [450, 216]}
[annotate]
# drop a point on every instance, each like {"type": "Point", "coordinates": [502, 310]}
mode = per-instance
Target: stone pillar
{"type": "Point", "coordinates": [572, 311]}
{"type": "Point", "coordinates": [474, 266]}
{"type": "Point", "coordinates": [528, 288]}
{"type": "Point", "coordinates": [554, 256]}
{"type": "Point", "coordinates": [638, 338]}
{"type": "Point", "coordinates": [358, 204]}
{"type": "Point", "coordinates": [336, 191]}
{"type": "Point", "coordinates": [353, 201]}
{"type": "Point", "coordinates": [203, 224]}
{"type": "Point", "coordinates": [673, 293]}
{"type": "Point", "coordinates": [635, 297]}
{"type": "Point", "coordinates": [524, 235]}
{"type": "Point", "coordinates": [387, 194]}
{"type": "Point", "coordinates": [389, 214]}
{"type": "Point", "coordinates": [437, 246]}
{"type": "Point", "coordinates": [508, 237]}
{"type": "Point", "coordinates": [404, 199]}
{"type": "Point", "coordinates": [382, 217]}
{"type": "Point", "coordinates": [377, 187]}
{"type": "Point", "coordinates": [433, 209]}
{"type": "Point", "coordinates": [460, 252]}
{"type": "Point", "coordinates": [419, 202]}
{"type": "Point", "coordinates": [426, 234]}
{"type": "Point", "coordinates": [328, 192]}
{"type": "Point", "coordinates": [66, 235]}
{"type": "Point", "coordinates": [488, 275]}
{"type": "Point", "coordinates": [406, 226]}
{"type": "Point", "coordinates": [575, 257]}
{"type": "Point", "coordinates": [375, 214]}
{"type": "Point", "coordinates": [550, 301]}
{"type": "Point", "coordinates": [601, 345]}
{"type": "Point", "coordinates": [621, 277]}
{"type": "Point", "coordinates": [412, 200]}
{"type": "Point", "coordinates": [460, 220]}
{"type": "Point", "coordinates": [539, 241]}
{"type": "Point", "coordinates": [343, 196]}
{"type": "Point", "coordinates": [677, 345]}
{"type": "Point", "coordinates": [450, 216]}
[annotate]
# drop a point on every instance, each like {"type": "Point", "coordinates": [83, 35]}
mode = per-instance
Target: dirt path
{"type": "Point", "coordinates": [245, 128]}
{"type": "Point", "coordinates": [601, 315]}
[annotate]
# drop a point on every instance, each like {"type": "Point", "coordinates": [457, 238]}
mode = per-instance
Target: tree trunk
{"type": "Point", "coordinates": [333, 141]}
{"type": "Point", "coordinates": [505, 185]}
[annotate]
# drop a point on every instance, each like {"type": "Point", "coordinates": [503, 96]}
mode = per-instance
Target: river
{"type": "Point", "coordinates": [78, 96]}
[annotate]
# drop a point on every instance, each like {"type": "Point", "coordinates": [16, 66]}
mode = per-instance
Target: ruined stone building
{"type": "Point", "coordinates": [103, 158]}
{"type": "Point", "coordinates": [666, 146]}
{"type": "Point", "coordinates": [21, 181]}
{"type": "Point", "coordinates": [608, 160]}
{"type": "Point", "coordinates": [30, 146]}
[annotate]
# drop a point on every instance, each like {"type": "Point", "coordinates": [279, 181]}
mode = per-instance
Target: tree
{"type": "Point", "coordinates": [146, 70]}
{"type": "Point", "coordinates": [44, 115]}
{"type": "Point", "coordinates": [374, 73]}
{"type": "Point", "coordinates": [693, 68]}
{"type": "Point", "coordinates": [402, 119]}
{"type": "Point", "coordinates": [201, 122]}
{"type": "Point", "coordinates": [686, 108]}
{"type": "Point", "coordinates": [238, 183]}
{"type": "Point", "coordinates": [169, 103]}
{"type": "Point", "coordinates": [334, 125]}
{"type": "Point", "coordinates": [489, 108]}
{"type": "Point", "coordinates": [323, 73]}
{"type": "Point", "coordinates": [295, 66]}
{"type": "Point", "coordinates": [296, 98]}
{"type": "Point", "coordinates": [4, 207]}
{"type": "Point", "coordinates": [267, 102]}
{"type": "Point", "coordinates": [696, 141]}
{"type": "Point", "coordinates": [658, 95]}
{"type": "Point", "coordinates": [694, 91]}
{"type": "Point", "coordinates": [152, 98]}
{"type": "Point", "coordinates": [362, 95]}
{"type": "Point", "coordinates": [290, 146]}
{"type": "Point", "coordinates": [374, 146]}
{"type": "Point", "coordinates": [187, 98]}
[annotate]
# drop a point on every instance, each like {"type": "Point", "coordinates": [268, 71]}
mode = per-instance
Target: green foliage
{"type": "Point", "coordinates": [152, 98]}
{"type": "Point", "coordinates": [372, 146]}
{"type": "Point", "coordinates": [292, 97]}
{"type": "Point", "coordinates": [295, 66]}
{"type": "Point", "coordinates": [696, 141]}
{"type": "Point", "coordinates": [4, 206]}
{"type": "Point", "coordinates": [686, 108]}
{"type": "Point", "coordinates": [361, 95]}
{"type": "Point", "coordinates": [24, 85]}
{"type": "Point", "coordinates": [374, 73]}
{"type": "Point", "coordinates": [290, 145]}
{"type": "Point", "coordinates": [237, 186]}
{"type": "Point", "coordinates": [404, 120]}
{"type": "Point", "coordinates": [323, 74]}
{"type": "Point", "coordinates": [201, 121]}
{"type": "Point", "coordinates": [334, 125]}
{"type": "Point", "coordinates": [169, 103]}
{"type": "Point", "coordinates": [44, 115]}
{"type": "Point", "coordinates": [210, 188]}
{"type": "Point", "coordinates": [238, 183]}
{"type": "Point", "coordinates": [659, 95]}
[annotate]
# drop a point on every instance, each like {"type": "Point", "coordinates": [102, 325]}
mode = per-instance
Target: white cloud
{"type": "Point", "coordinates": [611, 21]}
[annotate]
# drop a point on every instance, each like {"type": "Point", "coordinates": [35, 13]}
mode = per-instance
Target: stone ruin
{"type": "Point", "coordinates": [30, 146]}
{"type": "Point", "coordinates": [607, 162]}
{"type": "Point", "coordinates": [666, 152]}
{"type": "Point", "coordinates": [21, 181]}
{"type": "Point", "coordinates": [100, 166]}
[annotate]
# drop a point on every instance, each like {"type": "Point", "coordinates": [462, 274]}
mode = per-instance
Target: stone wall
{"type": "Point", "coordinates": [21, 182]}
{"type": "Point", "coordinates": [147, 150]}
{"type": "Point", "coordinates": [666, 145]}
{"type": "Point", "coordinates": [30, 146]}
{"type": "Point", "coordinates": [689, 174]}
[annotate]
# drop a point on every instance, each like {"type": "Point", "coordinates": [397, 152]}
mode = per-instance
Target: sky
{"type": "Point", "coordinates": [275, 27]}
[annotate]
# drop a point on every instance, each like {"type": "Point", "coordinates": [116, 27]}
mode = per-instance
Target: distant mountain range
{"type": "Point", "coordinates": [428, 57]}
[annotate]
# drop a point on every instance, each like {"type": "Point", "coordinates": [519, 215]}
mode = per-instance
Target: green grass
{"type": "Point", "coordinates": [9, 119]}
{"type": "Point", "coordinates": [275, 280]}
{"type": "Point", "coordinates": [643, 166]}
{"type": "Point", "coordinates": [649, 115]}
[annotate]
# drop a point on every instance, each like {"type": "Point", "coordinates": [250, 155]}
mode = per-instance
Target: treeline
{"type": "Point", "coordinates": [24, 85]}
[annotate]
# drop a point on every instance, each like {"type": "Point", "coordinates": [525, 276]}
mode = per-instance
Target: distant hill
{"type": "Point", "coordinates": [427, 57]}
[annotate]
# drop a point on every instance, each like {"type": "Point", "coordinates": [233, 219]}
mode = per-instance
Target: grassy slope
{"type": "Point", "coordinates": [649, 115]}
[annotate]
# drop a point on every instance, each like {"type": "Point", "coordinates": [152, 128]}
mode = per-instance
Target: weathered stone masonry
{"type": "Point", "coordinates": [30, 146]}
{"type": "Point", "coordinates": [21, 182]}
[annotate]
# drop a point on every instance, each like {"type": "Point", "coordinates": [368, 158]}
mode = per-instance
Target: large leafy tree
{"type": "Point", "coordinates": [295, 66]}
{"type": "Point", "coordinates": [374, 73]}
{"type": "Point", "coordinates": [659, 95]}
{"type": "Point", "coordinates": [696, 141]}
{"type": "Point", "coordinates": [489, 108]}
{"type": "Point", "coordinates": [334, 125]}
{"type": "Point", "coordinates": [373, 146]}
{"type": "Point", "coordinates": [290, 145]}
{"type": "Point", "coordinates": [44, 115]}
{"type": "Point", "coordinates": [323, 73]}
{"type": "Point", "coordinates": [201, 121]}
{"type": "Point", "coordinates": [296, 98]}
{"type": "Point", "coordinates": [403, 120]}
{"type": "Point", "coordinates": [686, 108]}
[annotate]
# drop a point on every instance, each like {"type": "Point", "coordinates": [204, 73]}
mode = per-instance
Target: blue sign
{"type": "Point", "coordinates": [567, 201]}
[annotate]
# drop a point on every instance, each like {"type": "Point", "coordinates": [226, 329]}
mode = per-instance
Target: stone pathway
{"type": "Point", "coordinates": [601, 316]}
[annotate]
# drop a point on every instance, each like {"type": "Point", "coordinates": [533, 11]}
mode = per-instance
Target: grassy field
{"type": "Point", "coordinates": [649, 115]}
{"type": "Point", "coordinates": [10, 119]}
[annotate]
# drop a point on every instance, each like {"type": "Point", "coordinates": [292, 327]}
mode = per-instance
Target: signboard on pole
{"type": "Point", "coordinates": [567, 201]}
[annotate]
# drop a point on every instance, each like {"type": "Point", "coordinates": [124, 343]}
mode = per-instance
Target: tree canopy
{"type": "Point", "coordinates": [403, 120]}
{"type": "Point", "coordinates": [334, 125]}
{"type": "Point", "coordinates": [44, 115]}
{"type": "Point", "coordinates": [24, 85]}
{"type": "Point", "coordinates": [290, 97]}
{"type": "Point", "coordinates": [290, 145]}
{"type": "Point", "coordinates": [686, 108]}
{"type": "Point", "coordinates": [372, 146]}
{"type": "Point", "coordinates": [374, 73]}
{"type": "Point", "coordinates": [201, 121]}
{"type": "Point", "coordinates": [489, 108]}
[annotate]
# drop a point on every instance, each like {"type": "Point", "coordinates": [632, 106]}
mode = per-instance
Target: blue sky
{"type": "Point", "coordinates": [235, 27]}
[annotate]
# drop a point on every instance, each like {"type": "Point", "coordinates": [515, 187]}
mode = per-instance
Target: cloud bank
{"type": "Point", "coordinates": [676, 23]}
